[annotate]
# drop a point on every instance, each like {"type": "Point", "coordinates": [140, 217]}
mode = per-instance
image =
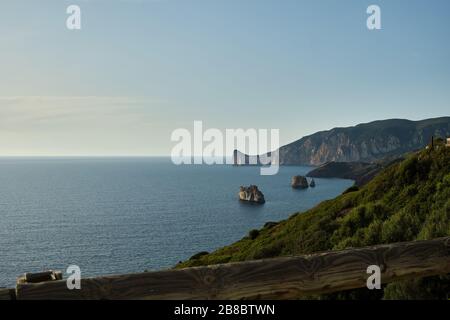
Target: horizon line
{"type": "Point", "coordinates": [102, 156]}
{"type": "Point", "coordinates": [83, 156]}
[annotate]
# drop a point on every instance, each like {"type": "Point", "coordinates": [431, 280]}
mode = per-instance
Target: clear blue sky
{"type": "Point", "coordinates": [139, 69]}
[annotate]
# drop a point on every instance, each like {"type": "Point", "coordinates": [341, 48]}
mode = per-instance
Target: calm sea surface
{"type": "Point", "coordinates": [132, 214]}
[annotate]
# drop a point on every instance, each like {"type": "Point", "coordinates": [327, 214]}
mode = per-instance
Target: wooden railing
{"type": "Point", "coordinates": [278, 278]}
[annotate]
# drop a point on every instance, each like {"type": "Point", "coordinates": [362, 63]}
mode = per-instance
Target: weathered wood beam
{"type": "Point", "coordinates": [7, 294]}
{"type": "Point", "coordinates": [40, 277]}
{"type": "Point", "coordinates": [278, 278]}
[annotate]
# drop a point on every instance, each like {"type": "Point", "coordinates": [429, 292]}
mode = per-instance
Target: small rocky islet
{"type": "Point", "coordinates": [254, 195]}
{"type": "Point", "coordinates": [300, 182]}
{"type": "Point", "coordinates": [251, 194]}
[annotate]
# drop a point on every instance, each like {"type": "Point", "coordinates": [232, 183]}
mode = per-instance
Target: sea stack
{"type": "Point", "coordinates": [312, 184]}
{"type": "Point", "coordinates": [299, 182]}
{"type": "Point", "coordinates": [251, 194]}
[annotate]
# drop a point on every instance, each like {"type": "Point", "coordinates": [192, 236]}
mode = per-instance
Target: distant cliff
{"type": "Point", "coordinates": [366, 142]}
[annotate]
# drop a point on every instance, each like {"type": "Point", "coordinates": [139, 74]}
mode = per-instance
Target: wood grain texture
{"type": "Point", "coordinates": [7, 294]}
{"type": "Point", "coordinates": [278, 278]}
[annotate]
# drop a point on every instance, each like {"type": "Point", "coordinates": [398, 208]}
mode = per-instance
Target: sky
{"type": "Point", "coordinates": [139, 69]}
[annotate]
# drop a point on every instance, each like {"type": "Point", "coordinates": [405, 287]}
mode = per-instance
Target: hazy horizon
{"type": "Point", "coordinates": [169, 155]}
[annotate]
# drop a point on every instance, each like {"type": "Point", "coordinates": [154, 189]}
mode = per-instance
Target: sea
{"type": "Point", "coordinates": [126, 215]}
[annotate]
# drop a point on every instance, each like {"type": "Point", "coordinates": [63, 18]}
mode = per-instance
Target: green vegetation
{"type": "Point", "coordinates": [253, 234]}
{"type": "Point", "coordinates": [408, 200]}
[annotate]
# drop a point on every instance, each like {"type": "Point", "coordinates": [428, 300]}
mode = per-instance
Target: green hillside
{"type": "Point", "coordinates": [408, 200]}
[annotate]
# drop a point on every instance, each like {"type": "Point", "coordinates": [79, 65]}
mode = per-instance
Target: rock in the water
{"type": "Point", "coordinates": [299, 182]}
{"type": "Point", "coordinates": [312, 184]}
{"type": "Point", "coordinates": [251, 194]}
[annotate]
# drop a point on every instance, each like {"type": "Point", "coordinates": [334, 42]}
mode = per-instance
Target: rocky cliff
{"type": "Point", "coordinates": [365, 142]}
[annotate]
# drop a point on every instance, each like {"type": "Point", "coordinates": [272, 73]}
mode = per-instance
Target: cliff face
{"type": "Point", "coordinates": [365, 142]}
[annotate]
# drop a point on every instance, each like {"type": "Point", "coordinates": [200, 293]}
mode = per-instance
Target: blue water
{"type": "Point", "coordinates": [132, 214]}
